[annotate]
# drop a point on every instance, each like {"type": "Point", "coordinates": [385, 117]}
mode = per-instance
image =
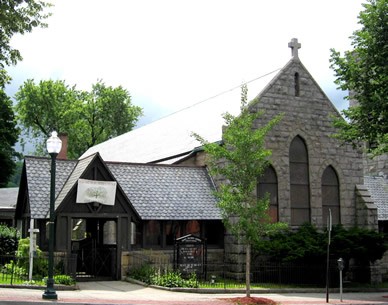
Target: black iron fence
{"type": "Point", "coordinates": [265, 274]}
{"type": "Point", "coordinates": [15, 269]}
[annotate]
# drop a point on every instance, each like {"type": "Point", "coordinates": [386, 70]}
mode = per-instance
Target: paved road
{"type": "Point", "coordinates": [118, 292]}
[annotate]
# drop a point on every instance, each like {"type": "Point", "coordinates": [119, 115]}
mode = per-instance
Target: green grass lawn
{"type": "Point", "coordinates": [6, 279]}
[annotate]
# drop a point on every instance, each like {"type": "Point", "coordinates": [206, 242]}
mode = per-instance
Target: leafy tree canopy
{"type": "Point", "coordinates": [14, 180]}
{"type": "Point", "coordinates": [88, 118]}
{"type": "Point", "coordinates": [240, 160]}
{"type": "Point", "coordinates": [17, 17]}
{"type": "Point", "coordinates": [364, 72]}
{"type": "Point", "coordinates": [8, 137]}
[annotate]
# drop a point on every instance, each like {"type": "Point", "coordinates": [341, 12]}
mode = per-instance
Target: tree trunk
{"type": "Point", "coordinates": [248, 270]}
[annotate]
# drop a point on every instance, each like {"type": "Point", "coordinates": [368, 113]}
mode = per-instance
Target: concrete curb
{"type": "Point", "coordinates": [257, 291]}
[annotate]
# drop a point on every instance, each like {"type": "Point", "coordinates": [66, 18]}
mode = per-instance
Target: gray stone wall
{"type": "Point", "coordinates": [376, 166]}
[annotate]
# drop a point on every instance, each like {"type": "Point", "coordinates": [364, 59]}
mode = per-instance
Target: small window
{"type": "Point", "coordinates": [297, 84]}
{"type": "Point", "coordinates": [133, 233]}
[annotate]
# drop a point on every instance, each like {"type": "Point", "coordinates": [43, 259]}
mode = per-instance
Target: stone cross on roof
{"type": "Point", "coordinates": [294, 45]}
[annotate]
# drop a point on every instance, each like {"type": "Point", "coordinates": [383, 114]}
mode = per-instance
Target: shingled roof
{"type": "Point", "coordinates": [38, 179]}
{"type": "Point", "coordinates": [378, 188]}
{"type": "Point", "coordinates": [8, 197]}
{"type": "Point", "coordinates": [158, 192]}
{"type": "Point", "coordinates": [167, 192]}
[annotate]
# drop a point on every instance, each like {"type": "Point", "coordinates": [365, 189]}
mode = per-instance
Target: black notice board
{"type": "Point", "coordinates": [190, 254]}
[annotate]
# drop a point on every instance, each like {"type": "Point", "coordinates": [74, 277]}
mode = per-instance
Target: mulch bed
{"type": "Point", "coordinates": [251, 301]}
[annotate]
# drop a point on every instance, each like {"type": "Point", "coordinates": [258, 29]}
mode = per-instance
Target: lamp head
{"type": "Point", "coordinates": [54, 144]}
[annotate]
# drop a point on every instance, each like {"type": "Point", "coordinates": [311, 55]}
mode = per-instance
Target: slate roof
{"type": "Point", "coordinates": [167, 192]}
{"type": "Point", "coordinates": [38, 179]}
{"type": "Point", "coordinates": [76, 173]}
{"type": "Point", "coordinates": [159, 192]}
{"type": "Point", "coordinates": [170, 136]}
{"type": "Point", "coordinates": [8, 197]}
{"type": "Point", "coordinates": [378, 188]}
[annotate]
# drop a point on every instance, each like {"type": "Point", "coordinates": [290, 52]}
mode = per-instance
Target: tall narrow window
{"type": "Point", "coordinates": [299, 182]}
{"type": "Point", "coordinates": [296, 84]}
{"type": "Point", "coordinates": [268, 183]}
{"type": "Point", "coordinates": [330, 196]}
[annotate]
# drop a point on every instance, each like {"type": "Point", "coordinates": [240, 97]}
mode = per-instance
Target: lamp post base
{"type": "Point", "coordinates": [50, 293]}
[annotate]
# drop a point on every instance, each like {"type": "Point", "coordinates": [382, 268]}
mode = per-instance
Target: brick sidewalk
{"type": "Point", "coordinates": [125, 293]}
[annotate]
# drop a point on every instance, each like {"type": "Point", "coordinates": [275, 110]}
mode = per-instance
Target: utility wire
{"type": "Point", "coordinates": [219, 94]}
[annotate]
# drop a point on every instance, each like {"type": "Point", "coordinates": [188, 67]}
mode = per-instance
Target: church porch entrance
{"type": "Point", "coordinates": [94, 241]}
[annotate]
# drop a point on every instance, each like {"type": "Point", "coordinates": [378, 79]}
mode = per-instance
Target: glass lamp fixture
{"type": "Point", "coordinates": [54, 143]}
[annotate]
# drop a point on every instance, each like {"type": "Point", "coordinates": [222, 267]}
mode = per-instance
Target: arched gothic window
{"type": "Point", "coordinates": [268, 183]}
{"type": "Point", "coordinates": [299, 182]}
{"type": "Point", "coordinates": [330, 196]}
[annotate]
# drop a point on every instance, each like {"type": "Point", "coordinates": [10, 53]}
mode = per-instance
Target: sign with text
{"type": "Point", "coordinates": [103, 192]}
{"type": "Point", "coordinates": [190, 254]}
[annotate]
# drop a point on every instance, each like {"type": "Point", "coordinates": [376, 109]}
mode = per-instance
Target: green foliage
{"type": "Point", "coordinates": [358, 243]}
{"type": "Point", "coordinates": [143, 273]}
{"type": "Point", "coordinates": [17, 17]}
{"type": "Point", "coordinates": [152, 276]}
{"type": "Point", "coordinates": [88, 118]}
{"type": "Point", "coordinates": [8, 240]}
{"type": "Point", "coordinates": [309, 246]}
{"type": "Point", "coordinates": [8, 137]}
{"type": "Point", "coordinates": [62, 279]}
{"type": "Point", "coordinates": [14, 268]}
{"type": "Point", "coordinates": [174, 279]}
{"type": "Point", "coordinates": [14, 180]}
{"type": "Point", "coordinates": [40, 266]}
{"type": "Point", "coordinates": [364, 72]}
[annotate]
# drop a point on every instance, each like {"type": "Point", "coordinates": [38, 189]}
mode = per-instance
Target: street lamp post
{"type": "Point", "coordinates": [54, 145]}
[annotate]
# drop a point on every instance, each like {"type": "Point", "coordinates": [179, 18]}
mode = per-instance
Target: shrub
{"type": "Point", "coordinates": [174, 279]}
{"type": "Point", "coordinates": [308, 245]}
{"type": "Point", "coordinates": [13, 268]}
{"type": "Point", "coordinates": [40, 266]}
{"type": "Point", "coordinates": [62, 279]}
{"type": "Point", "coordinates": [8, 240]}
{"type": "Point", "coordinates": [152, 276]}
{"type": "Point", "coordinates": [143, 273]}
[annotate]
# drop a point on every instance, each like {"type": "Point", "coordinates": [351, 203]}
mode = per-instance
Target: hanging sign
{"type": "Point", "coordinates": [103, 192]}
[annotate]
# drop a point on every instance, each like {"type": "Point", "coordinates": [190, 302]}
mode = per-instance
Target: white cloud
{"type": "Point", "coordinates": [170, 54]}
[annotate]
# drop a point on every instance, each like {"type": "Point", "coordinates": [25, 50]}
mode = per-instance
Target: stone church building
{"type": "Point", "coordinates": [163, 190]}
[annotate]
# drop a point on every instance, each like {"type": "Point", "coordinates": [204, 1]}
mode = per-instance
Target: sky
{"type": "Point", "coordinates": [171, 54]}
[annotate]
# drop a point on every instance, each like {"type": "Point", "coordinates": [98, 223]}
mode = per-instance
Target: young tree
{"type": "Point", "coordinates": [8, 137]}
{"type": "Point", "coordinates": [364, 72]}
{"type": "Point", "coordinates": [88, 118]}
{"type": "Point", "coordinates": [241, 159]}
{"type": "Point", "coordinates": [17, 17]}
